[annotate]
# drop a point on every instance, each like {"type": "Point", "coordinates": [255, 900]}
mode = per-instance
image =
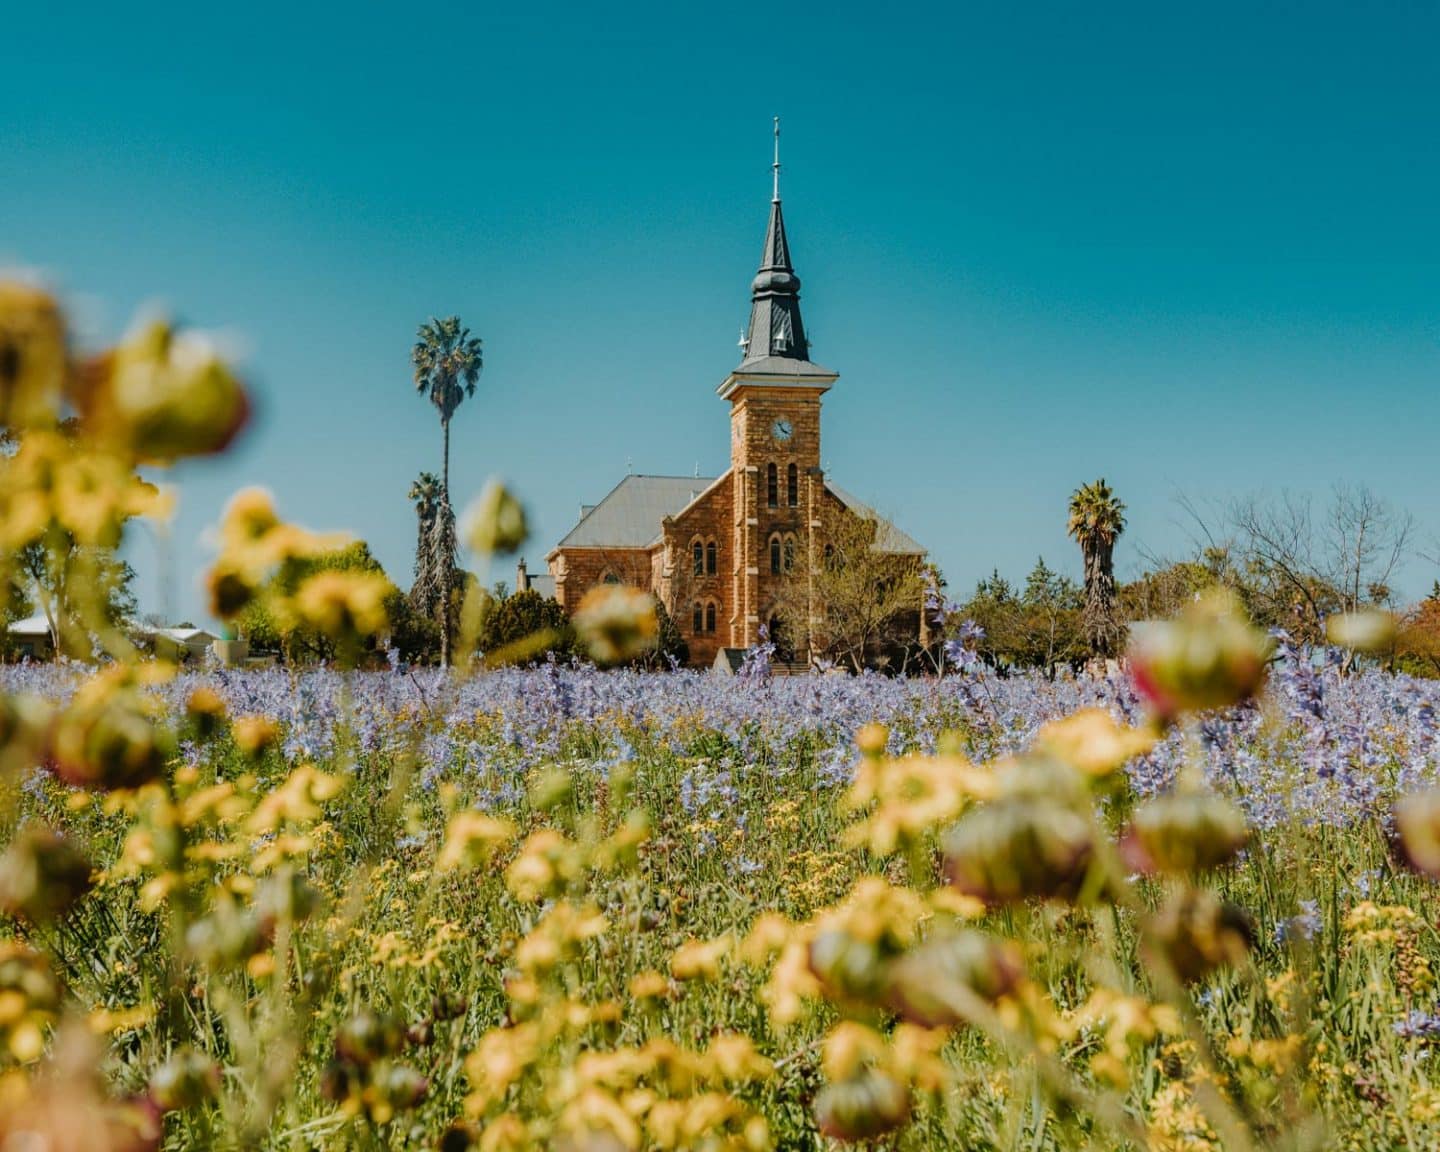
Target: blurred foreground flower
{"type": "Point", "coordinates": [1187, 830]}
{"type": "Point", "coordinates": [162, 395]}
{"type": "Point", "coordinates": [494, 523]}
{"type": "Point", "coordinates": [927, 985]}
{"type": "Point", "coordinates": [1210, 657]}
{"type": "Point", "coordinates": [1197, 933]}
{"type": "Point", "coordinates": [1417, 819]}
{"type": "Point", "coordinates": [42, 876]}
{"type": "Point", "coordinates": [1368, 630]}
{"type": "Point", "coordinates": [1019, 847]}
{"type": "Point", "coordinates": [33, 360]}
{"type": "Point", "coordinates": [617, 623]}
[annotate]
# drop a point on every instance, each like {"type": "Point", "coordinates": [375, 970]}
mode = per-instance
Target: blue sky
{"type": "Point", "coordinates": [1189, 249]}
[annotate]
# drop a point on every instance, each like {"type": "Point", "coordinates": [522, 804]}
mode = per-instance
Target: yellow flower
{"type": "Point", "coordinates": [345, 606]}
{"type": "Point", "coordinates": [700, 959]}
{"type": "Point", "coordinates": [471, 839]}
{"type": "Point", "coordinates": [1091, 741]}
{"type": "Point", "coordinates": [33, 360]}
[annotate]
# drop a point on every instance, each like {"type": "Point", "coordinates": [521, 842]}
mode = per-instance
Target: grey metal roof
{"type": "Point", "coordinates": [629, 517]}
{"type": "Point", "coordinates": [783, 366]}
{"type": "Point", "coordinates": [888, 538]}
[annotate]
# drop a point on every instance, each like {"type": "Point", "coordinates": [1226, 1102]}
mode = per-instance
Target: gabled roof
{"type": "Point", "coordinates": [629, 517]}
{"type": "Point", "coordinates": [888, 538]}
{"type": "Point", "coordinates": [30, 626]}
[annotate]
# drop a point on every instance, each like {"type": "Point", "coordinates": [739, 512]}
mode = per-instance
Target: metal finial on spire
{"type": "Point", "coordinates": [776, 165]}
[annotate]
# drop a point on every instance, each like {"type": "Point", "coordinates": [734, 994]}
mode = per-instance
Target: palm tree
{"type": "Point", "coordinates": [447, 362]}
{"type": "Point", "coordinates": [1097, 518]}
{"type": "Point", "coordinates": [425, 495]}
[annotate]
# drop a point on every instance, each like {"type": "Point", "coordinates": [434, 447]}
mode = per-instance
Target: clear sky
{"type": "Point", "coordinates": [1189, 248]}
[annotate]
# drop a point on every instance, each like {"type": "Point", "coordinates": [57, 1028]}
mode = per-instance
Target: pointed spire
{"type": "Point", "coordinates": [776, 328]}
{"type": "Point", "coordinates": [776, 197]}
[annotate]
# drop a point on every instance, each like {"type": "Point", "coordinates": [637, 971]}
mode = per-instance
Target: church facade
{"type": "Point", "coordinates": [716, 550]}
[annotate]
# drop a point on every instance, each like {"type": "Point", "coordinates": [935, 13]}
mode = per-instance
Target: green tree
{"type": "Point", "coordinates": [425, 494]}
{"type": "Point", "coordinates": [1050, 623]}
{"type": "Point", "coordinates": [447, 362]}
{"type": "Point", "coordinates": [1097, 518]}
{"type": "Point", "coordinates": [269, 631]}
{"type": "Point", "coordinates": [524, 626]}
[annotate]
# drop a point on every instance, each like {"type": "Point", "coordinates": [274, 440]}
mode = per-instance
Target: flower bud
{"type": "Point", "coordinates": [1417, 820]}
{"type": "Point", "coordinates": [1016, 848]}
{"type": "Point", "coordinates": [1210, 657]}
{"type": "Point", "coordinates": [872, 740]}
{"type": "Point", "coordinates": [255, 735]}
{"type": "Point", "coordinates": [1197, 933]}
{"type": "Point", "coordinates": [494, 523]}
{"type": "Point", "coordinates": [850, 970]}
{"type": "Point", "coordinates": [109, 741]}
{"type": "Point", "coordinates": [1368, 630]}
{"type": "Point", "coordinates": [41, 876]}
{"type": "Point", "coordinates": [1185, 831]}
{"type": "Point", "coordinates": [367, 1037]}
{"type": "Point", "coordinates": [865, 1106]}
{"type": "Point", "coordinates": [24, 725]}
{"type": "Point", "coordinates": [33, 360]}
{"type": "Point", "coordinates": [205, 712]}
{"type": "Point", "coordinates": [186, 1080]}
{"type": "Point", "coordinates": [164, 395]}
{"type": "Point", "coordinates": [920, 985]}
{"type": "Point", "coordinates": [617, 623]}
{"type": "Point", "coordinates": [402, 1087]}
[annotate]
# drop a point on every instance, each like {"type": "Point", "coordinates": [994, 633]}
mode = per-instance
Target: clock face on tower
{"type": "Point", "coordinates": [782, 430]}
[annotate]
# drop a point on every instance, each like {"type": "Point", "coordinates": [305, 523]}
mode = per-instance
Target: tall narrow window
{"type": "Point", "coordinates": [699, 620]}
{"type": "Point", "coordinates": [699, 553]}
{"type": "Point", "coordinates": [772, 486]}
{"type": "Point", "coordinates": [789, 553]}
{"type": "Point", "coordinates": [792, 486]}
{"type": "Point", "coordinates": [775, 555]}
{"type": "Point", "coordinates": [712, 565]}
{"type": "Point", "coordinates": [710, 618]}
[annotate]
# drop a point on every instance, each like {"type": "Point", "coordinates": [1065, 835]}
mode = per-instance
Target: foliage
{"type": "Point", "coordinates": [564, 908]}
{"type": "Point", "coordinates": [1037, 627]}
{"type": "Point", "coordinates": [525, 626]}
{"type": "Point", "coordinates": [271, 627]}
{"type": "Point", "coordinates": [855, 603]}
{"type": "Point", "coordinates": [1097, 518]}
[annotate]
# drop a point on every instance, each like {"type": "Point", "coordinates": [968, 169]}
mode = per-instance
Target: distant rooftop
{"type": "Point", "coordinates": [629, 517]}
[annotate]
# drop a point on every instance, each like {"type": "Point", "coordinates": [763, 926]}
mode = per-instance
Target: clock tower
{"type": "Point", "coordinates": [774, 395]}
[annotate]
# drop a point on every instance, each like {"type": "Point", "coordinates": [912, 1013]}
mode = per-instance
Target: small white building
{"type": "Point", "coordinates": [31, 639]}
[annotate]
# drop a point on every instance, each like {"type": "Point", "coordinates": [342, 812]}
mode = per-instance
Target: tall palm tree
{"type": "Point", "coordinates": [447, 362]}
{"type": "Point", "coordinates": [425, 495]}
{"type": "Point", "coordinates": [1097, 518]}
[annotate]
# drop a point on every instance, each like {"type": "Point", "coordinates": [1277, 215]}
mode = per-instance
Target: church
{"type": "Point", "coordinates": [716, 550]}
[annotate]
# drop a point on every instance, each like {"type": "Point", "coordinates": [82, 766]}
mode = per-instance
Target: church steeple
{"type": "Point", "coordinates": [776, 328]}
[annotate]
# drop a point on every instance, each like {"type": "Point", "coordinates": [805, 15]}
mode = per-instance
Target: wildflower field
{"type": "Point", "coordinates": [569, 908]}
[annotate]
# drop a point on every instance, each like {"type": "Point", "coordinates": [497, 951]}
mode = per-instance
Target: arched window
{"type": "Point", "coordinates": [830, 556]}
{"type": "Point", "coordinates": [610, 578]}
{"type": "Point", "coordinates": [792, 486]}
{"type": "Point", "coordinates": [775, 555]}
{"type": "Point", "coordinates": [699, 620]}
{"type": "Point", "coordinates": [698, 551]}
{"type": "Point", "coordinates": [712, 560]}
{"type": "Point", "coordinates": [789, 553]}
{"type": "Point", "coordinates": [710, 618]}
{"type": "Point", "coordinates": [772, 486]}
